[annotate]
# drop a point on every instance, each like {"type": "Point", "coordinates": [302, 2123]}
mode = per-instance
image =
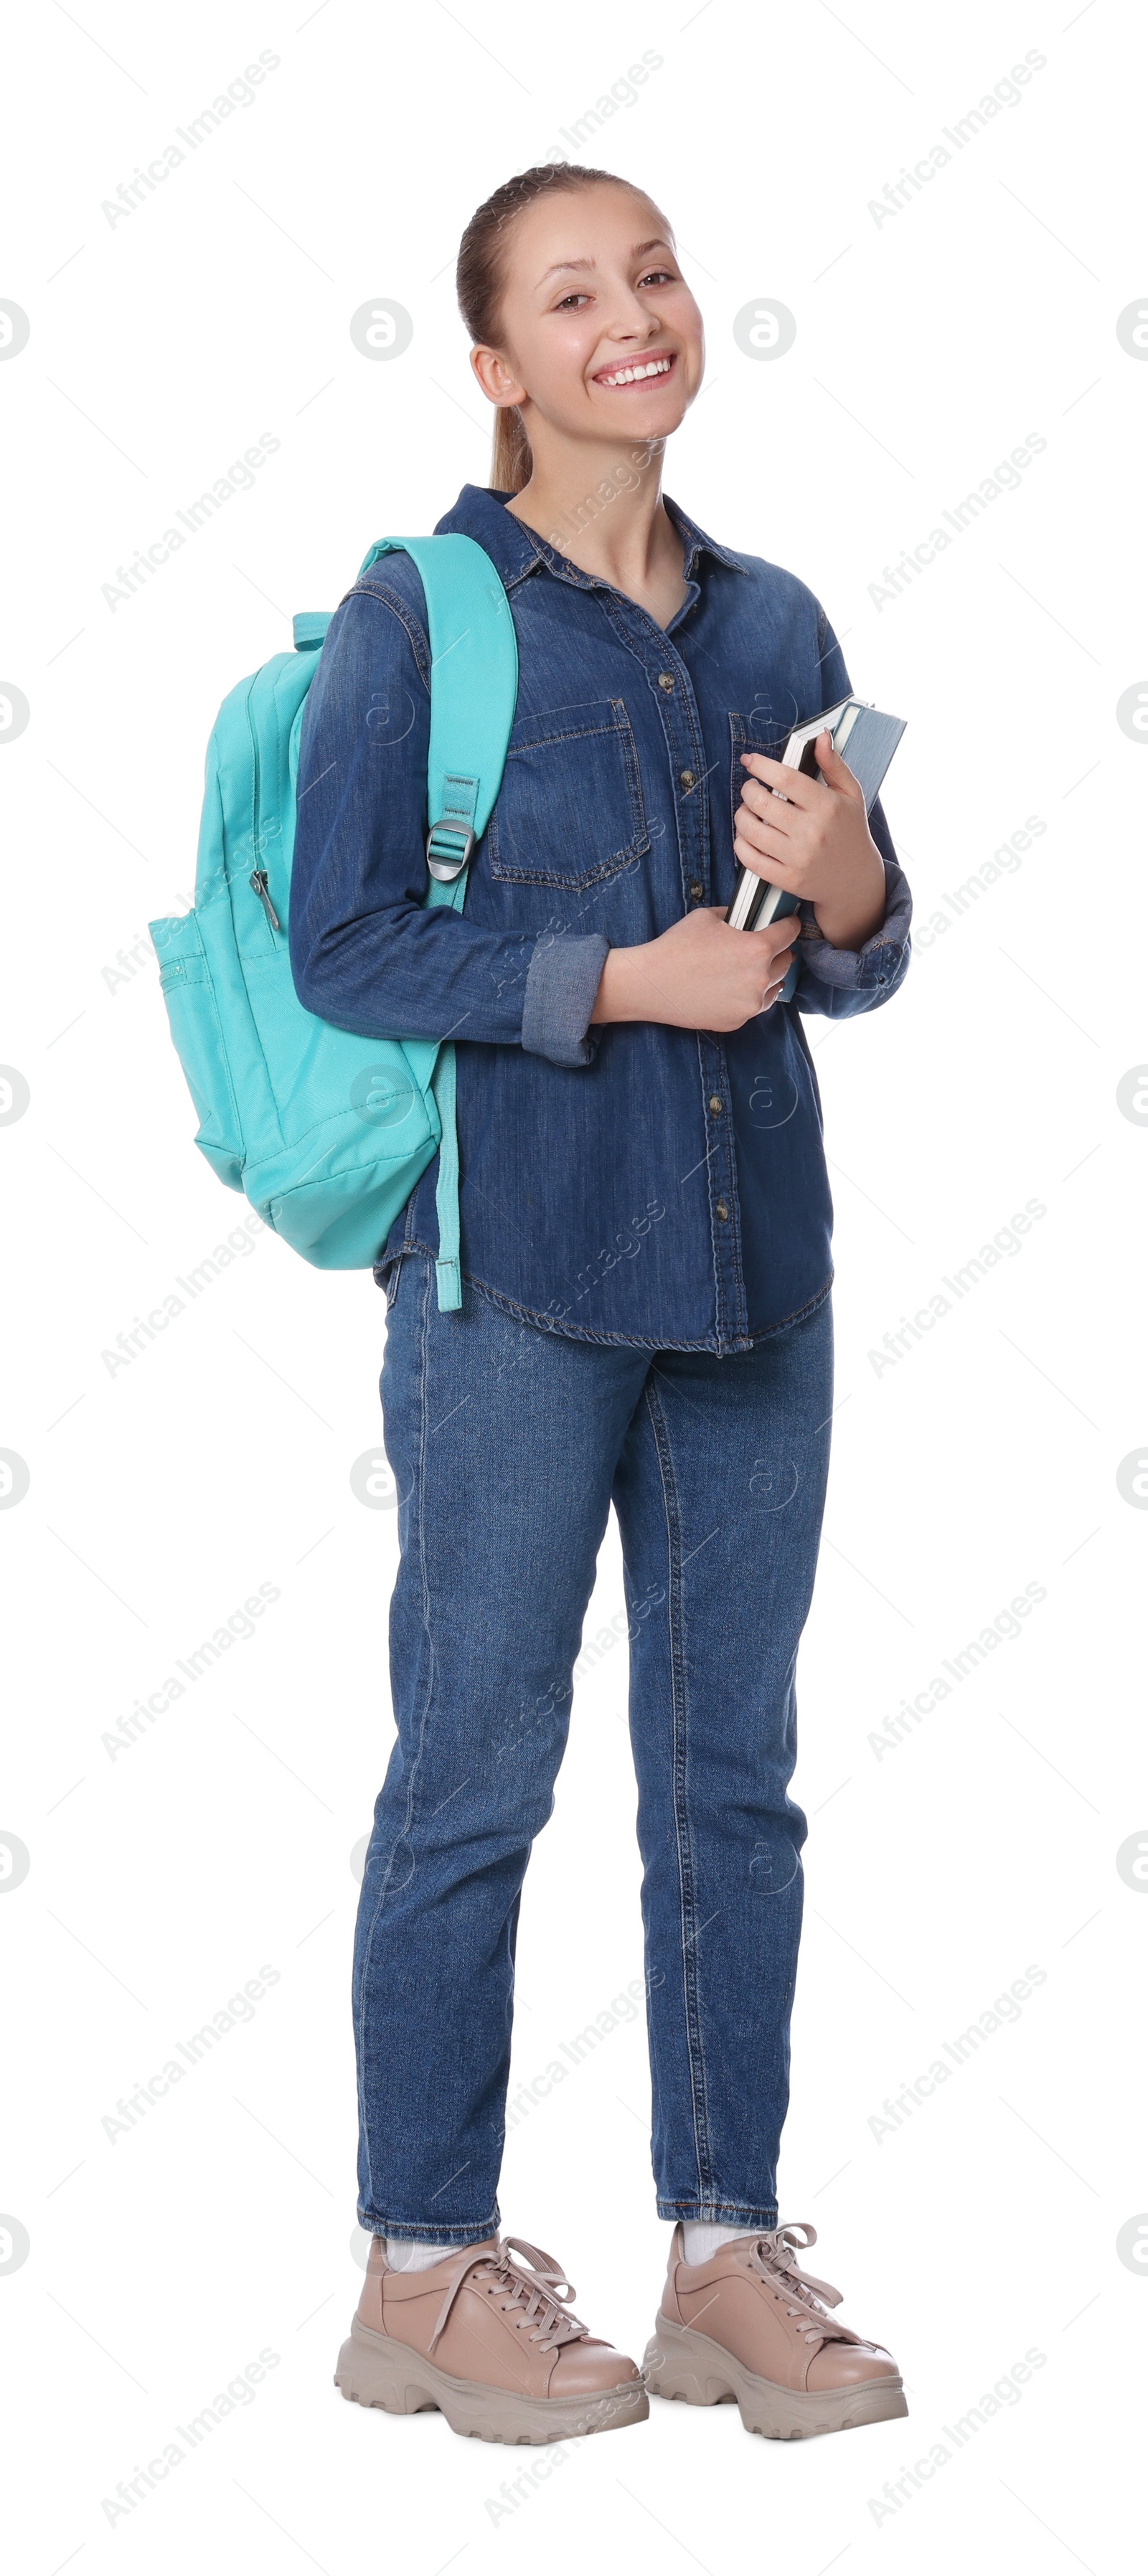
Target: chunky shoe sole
{"type": "Point", "coordinates": [375, 2370]}
{"type": "Point", "coordinates": [681, 2363]}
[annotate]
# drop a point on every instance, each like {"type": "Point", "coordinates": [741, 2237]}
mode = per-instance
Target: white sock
{"type": "Point", "coordinates": [411, 2256]}
{"type": "Point", "coordinates": [701, 2238]}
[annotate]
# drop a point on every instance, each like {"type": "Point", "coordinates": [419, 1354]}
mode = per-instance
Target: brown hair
{"type": "Point", "coordinates": [481, 280]}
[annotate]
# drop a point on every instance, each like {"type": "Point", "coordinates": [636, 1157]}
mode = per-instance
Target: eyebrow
{"type": "Point", "coordinates": [639, 252]}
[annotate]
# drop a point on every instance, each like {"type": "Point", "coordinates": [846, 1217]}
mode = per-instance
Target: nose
{"type": "Point", "coordinates": [632, 320]}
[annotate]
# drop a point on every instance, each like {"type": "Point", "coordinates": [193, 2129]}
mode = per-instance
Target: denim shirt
{"type": "Point", "coordinates": [627, 1182]}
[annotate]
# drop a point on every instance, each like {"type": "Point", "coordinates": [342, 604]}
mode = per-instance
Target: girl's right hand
{"type": "Point", "coordinates": [699, 974]}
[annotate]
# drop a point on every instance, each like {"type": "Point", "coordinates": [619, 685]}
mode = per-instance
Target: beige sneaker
{"type": "Point", "coordinates": [749, 2326]}
{"type": "Point", "coordinates": [490, 2343]}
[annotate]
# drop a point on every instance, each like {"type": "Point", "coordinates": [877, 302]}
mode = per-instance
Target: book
{"type": "Point", "coordinates": [866, 741]}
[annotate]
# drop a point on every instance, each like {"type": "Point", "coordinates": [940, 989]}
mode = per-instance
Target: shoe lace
{"type": "Point", "coordinates": [538, 2294]}
{"type": "Point", "coordinates": [775, 2257]}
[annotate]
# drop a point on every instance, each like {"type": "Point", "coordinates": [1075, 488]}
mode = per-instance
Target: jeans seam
{"type": "Point", "coordinates": [717, 2212]}
{"type": "Point", "coordinates": [467, 2231]}
{"type": "Point", "coordinates": [421, 1520]}
{"type": "Point", "coordinates": [695, 2048]}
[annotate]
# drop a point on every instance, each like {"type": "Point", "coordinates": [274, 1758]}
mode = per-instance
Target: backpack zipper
{"type": "Point", "coordinates": [258, 880]}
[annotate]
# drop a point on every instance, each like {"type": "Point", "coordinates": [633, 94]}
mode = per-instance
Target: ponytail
{"type": "Point", "coordinates": [511, 464]}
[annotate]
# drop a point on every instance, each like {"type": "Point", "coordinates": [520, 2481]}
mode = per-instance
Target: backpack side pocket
{"type": "Point", "coordinates": [193, 1016]}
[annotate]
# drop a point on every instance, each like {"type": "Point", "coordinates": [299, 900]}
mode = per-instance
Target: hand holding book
{"type": "Point", "coordinates": [815, 847]}
{"type": "Point", "coordinates": [797, 843]}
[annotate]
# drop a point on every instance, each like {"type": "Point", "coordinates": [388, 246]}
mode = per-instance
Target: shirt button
{"type": "Point", "coordinates": [686, 778]}
{"type": "Point", "coordinates": [722, 1209]}
{"type": "Point", "coordinates": [716, 1105]}
{"type": "Point", "coordinates": [666, 681]}
{"type": "Point", "coordinates": [697, 890]}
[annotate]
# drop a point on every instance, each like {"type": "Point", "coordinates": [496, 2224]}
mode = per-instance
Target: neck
{"type": "Point", "coordinates": [602, 509]}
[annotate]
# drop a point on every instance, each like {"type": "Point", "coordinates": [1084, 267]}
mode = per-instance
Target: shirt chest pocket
{"type": "Point", "coordinates": [569, 811]}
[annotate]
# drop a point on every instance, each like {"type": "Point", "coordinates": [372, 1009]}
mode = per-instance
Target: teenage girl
{"type": "Point", "coordinates": [646, 1270]}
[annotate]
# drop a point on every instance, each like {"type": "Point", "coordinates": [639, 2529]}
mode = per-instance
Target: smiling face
{"type": "Point", "coordinates": [600, 336]}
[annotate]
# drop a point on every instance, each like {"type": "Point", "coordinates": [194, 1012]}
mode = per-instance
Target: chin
{"type": "Point", "coordinates": [663, 426]}
{"type": "Point", "coordinates": [643, 421]}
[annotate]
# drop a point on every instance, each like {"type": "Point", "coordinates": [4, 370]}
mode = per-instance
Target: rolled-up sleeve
{"type": "Point", "coordinates": [367, 952]}
{"type": "Point", "coordinates": [839, 982]}
{"type": "Point", "coordinates": [561, 988]}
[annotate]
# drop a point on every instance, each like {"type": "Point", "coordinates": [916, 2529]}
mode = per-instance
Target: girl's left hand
{"type": "Point", "coordinates": [817, 846]}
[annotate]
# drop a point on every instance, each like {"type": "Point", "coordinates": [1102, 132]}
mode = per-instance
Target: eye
{"type": "Point", "coordinates": [569, 303]}
{"type": "Point", "coordinates": [658, 277]}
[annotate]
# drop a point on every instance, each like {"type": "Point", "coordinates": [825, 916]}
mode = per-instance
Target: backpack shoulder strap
{"type": "Point", "coordinates": [474, 687]}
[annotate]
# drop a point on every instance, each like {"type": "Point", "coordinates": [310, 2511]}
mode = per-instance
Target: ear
{"type": "Point", "coordinates": [498, 380]}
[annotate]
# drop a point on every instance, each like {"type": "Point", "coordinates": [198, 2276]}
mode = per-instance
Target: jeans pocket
{"type": "Point", "coordinates": [193, 1017]}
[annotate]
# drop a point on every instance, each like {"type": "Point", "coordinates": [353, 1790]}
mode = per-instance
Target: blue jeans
{"type": "Point", "coordinates": [508, 1444]}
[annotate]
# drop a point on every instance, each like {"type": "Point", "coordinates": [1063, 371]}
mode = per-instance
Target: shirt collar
{"type": "Point", "coordinates": [516, 550]}
{"type": "Point", "coordinates": [697, 543]}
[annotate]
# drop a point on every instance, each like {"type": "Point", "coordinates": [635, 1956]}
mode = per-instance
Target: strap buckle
{"type": "Point", "coordinates": [443, 858]}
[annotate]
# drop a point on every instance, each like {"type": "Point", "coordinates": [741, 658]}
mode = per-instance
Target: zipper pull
{"type": "Point", "coordinates": [258, 881]}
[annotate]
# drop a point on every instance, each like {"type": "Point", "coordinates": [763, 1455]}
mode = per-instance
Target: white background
{"type": "Point", "coordinates": [928, 345]}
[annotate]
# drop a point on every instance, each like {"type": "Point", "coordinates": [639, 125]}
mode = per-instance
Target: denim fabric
{"type": "Point", "coordinates": [650, 1186]}
{"type": "Point", "coordinates": [561, 982]}
{"type": "Point", "coordinates": [507, 1444]}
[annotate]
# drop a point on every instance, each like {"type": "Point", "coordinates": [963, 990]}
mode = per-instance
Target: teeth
{"type": "Point", "coordinates": [631, 375]}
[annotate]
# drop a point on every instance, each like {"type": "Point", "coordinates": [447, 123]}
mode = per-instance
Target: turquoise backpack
{"type": "Point", "coordinates": [325, 1132]}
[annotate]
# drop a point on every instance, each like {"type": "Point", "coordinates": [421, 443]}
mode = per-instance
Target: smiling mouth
{"type": "Point", "coordinates": [640, 371]}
